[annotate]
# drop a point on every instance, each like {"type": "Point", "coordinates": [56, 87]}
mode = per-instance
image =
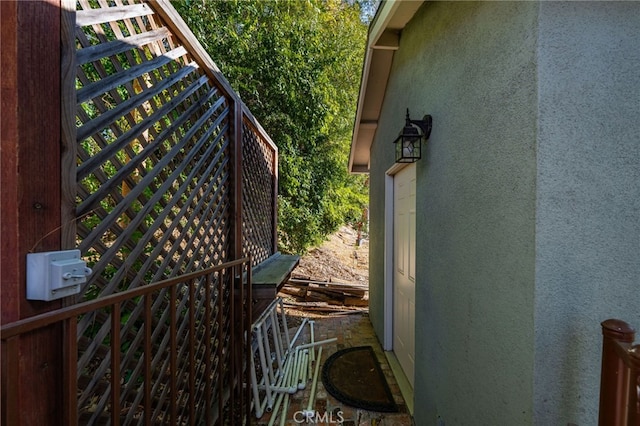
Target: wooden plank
{"type": "Point", "coordinates": [268, 291]}
{"type": "Point", "coordinates": [68, 127]}
{"type": "Point", "coordinates": [268, 277]}
{"type": "Point", "coordinates": [236, 171]}
{"type": "Point", "coordinates": [323, 307]}
{"type": "Point", "coordinates": [310, 295]}
{"type": "Point", "coordinates": [355, 301]}
{"type": "Point", "coordinates": [329, 284]}
{"type": "Point", "coordinates": [103, 50]}
{"type": "Point", "coordinates": [275, 270]}
{"type": "Point", "coordinates": [39, 179]}
{"type": "Point", "coordinates": [274, 194]}
{"type": "Point", "coordinates": [332, 293]}
{"type": "Point", "coordinates": [335, 291]}
{"type": "Point", "coordinates": [30, 202]}
{"type": "Point", "coordinates": [9, 177]}
{"type": "Point", "coordinates": [107, 14]}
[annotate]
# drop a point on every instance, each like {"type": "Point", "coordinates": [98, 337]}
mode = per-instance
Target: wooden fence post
{"type": "Point", "coordinates": [634, 387]}
{"type": "Point", "coordinates": [30, 220]}
{"type": "Point", "coordinates": [614, 382]}
{"type": "Point", "coordinates": [237, 177]}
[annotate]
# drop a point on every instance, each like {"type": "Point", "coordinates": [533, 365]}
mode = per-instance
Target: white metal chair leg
{"type": "Point", "coordinates": [294, 364]}
{"type": "Point", "coordinates": [277, 339]}
{"type": "Point", "coordinates": [265, 367]}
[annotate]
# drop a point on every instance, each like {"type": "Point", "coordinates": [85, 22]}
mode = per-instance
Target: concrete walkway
{"type": "Point", "coordinates": [350, 330]}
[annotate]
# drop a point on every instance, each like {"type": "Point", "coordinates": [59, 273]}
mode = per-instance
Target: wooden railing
{"type": "Point", "coordinates": [189, 369]}
{"type": "Point", "coordinates": [620, 376]}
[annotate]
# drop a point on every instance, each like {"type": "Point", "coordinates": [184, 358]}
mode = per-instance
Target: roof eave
{"type": "Point", "coordinates": [383, 40]}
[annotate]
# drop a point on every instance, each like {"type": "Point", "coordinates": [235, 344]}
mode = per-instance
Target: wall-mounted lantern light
{"type": "Point", "coordinates": [409, 142]}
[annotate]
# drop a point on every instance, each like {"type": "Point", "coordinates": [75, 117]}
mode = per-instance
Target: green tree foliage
{"type": "Point", "coordinates": [297, 65]}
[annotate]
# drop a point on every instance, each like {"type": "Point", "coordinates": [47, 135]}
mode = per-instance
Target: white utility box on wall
{"type": "Point", "coordinates": [55, 274]}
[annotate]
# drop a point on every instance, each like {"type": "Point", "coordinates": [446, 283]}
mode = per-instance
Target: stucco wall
{"type": "Point", "coordinates": [588, 215]}
{"type": "Point", "coordinates": [472, 67]}
{"type": "Point", "coordinates": [528, 207]}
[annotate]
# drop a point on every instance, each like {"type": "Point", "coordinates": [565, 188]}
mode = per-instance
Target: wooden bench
{"type": "Point", "coordinates": [268, 277]}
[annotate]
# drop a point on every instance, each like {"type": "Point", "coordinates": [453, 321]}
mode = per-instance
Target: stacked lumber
{"type": "Point", "coordinates": [324, 308]}
{"type": "Point", "coordinates": [326, 295]}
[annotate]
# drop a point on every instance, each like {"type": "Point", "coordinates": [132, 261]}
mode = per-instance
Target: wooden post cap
{"type": "Point", "coordinates": [618, 330]}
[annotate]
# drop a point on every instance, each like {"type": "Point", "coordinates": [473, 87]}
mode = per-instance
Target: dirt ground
{"type": "Point", "coordinates": [339, 259]}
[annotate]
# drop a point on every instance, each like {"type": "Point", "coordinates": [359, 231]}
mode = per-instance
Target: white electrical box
{"type": "Point", "coordinates": [55, 274]}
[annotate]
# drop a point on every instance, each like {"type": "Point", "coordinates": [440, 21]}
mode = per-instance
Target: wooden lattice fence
{"type": "Point", "coordinates": [155, 177]}
{"type": "Point", "coordinates": [168, 173]}
{"type": "Point", "coordinates": [259, 196]}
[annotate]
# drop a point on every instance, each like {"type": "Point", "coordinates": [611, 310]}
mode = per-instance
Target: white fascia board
{"type": "Point", "coordinates": [379, 24]}
{"type": "Point", "coordinates": [377, 29]}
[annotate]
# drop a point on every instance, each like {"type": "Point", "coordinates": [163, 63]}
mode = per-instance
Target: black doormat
{"type": "Point", "coordinates": [354, 376]}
